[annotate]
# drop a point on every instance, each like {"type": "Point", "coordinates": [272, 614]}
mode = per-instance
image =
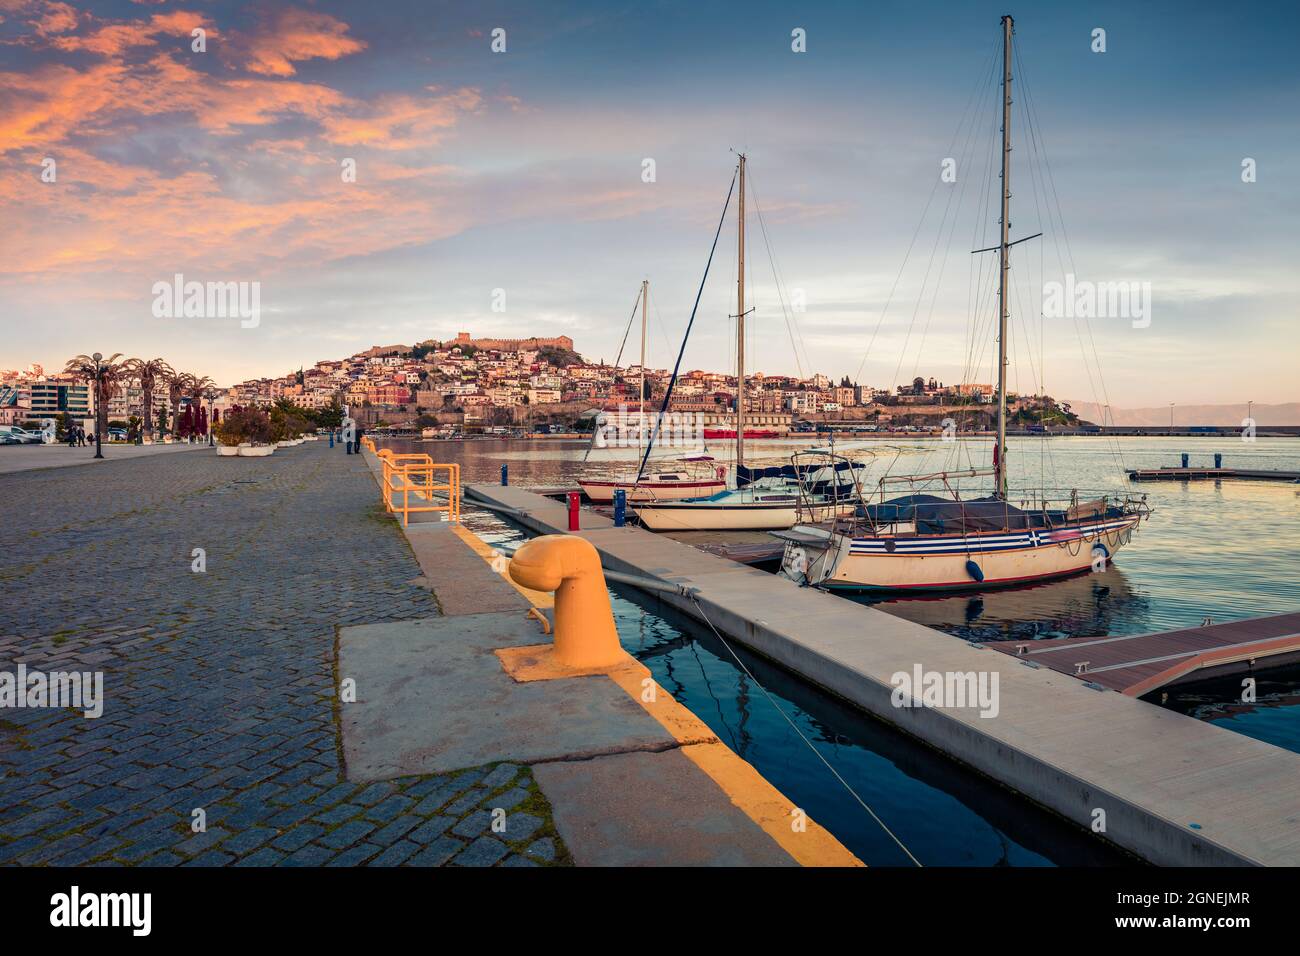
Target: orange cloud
{"type": "Point", "coordinates": [116, 38]}
{"type": "Point", "coordinates": [56, 18]}
{"type": "Point", "coordinates": [401, 121]}
{"type": "Point", "coordinates": [299, 35]}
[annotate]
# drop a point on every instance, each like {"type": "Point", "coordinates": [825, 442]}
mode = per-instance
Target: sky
{"type": "Point", "coordinates": [524, 171]}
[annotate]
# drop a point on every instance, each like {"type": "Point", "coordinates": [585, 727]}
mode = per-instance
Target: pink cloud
{"type": "Point", "coordinates": [113, 39]}
{"type": "Point", "coordinates": [296, 35]}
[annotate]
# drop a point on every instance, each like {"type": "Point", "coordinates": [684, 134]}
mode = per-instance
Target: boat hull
{"type": "Point", "coordinates": [712, 516]}
{"type": "Point", "coordinates": [602, 492]}
{"type": "Point", "coordinates": [717, 433]}
{"type": "Point", "coordinates": [943, 562]}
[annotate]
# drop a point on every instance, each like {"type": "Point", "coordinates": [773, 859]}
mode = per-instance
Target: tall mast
{"type": "Point", "coordinates": [1000, 475]}
{"type": "Point", "coordinates": [640, 424]}
{"type": "Point", "coordinates": [740, 320]}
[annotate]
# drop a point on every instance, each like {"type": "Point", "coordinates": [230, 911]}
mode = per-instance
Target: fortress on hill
{"type": "Point", "coordinates": [511, 345]}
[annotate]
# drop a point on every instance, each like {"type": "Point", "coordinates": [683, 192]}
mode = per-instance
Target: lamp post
{"type": "Point", "coordinates": [1171, 418]}
{"type": "Point", "coordinates": [211, 395]}
{"type": "Point", "coordinates": [99, 398]}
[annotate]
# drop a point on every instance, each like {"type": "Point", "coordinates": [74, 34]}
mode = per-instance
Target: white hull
{"type": "Point", "coordinates": [602, 492]}
{"type": "Point", "coordinates": [719, 516]}
{"type": "Point", "coordinates": [943, 562]}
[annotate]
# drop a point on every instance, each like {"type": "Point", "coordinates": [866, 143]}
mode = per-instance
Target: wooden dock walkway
{"type": "Point", "coordinates": [1136, 664]}
{"type": "Point", "coordinates": [1210, 474]}
{"type": "Point", "coordinates": [1175, 790]}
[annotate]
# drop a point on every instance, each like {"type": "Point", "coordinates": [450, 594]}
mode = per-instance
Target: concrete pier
{"type": "Point", "coordinates": [632, 777]}
{"type": "Point", "coordinates": [1170, 788]}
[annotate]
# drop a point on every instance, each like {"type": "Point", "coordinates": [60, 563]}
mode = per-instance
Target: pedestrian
{"type": "Point", "coordinates": [71, 436]}
{"type": "Point", "coordinates": [356, 444]}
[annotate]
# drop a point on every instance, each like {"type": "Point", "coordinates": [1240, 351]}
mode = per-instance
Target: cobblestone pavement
{"type": "Point", "coordinates": [219, 686]}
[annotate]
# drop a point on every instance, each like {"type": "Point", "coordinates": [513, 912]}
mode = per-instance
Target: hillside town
{"type": "Point", "coordinates": [470, 385]}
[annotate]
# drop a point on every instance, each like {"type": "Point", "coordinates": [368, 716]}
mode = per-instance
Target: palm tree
{"type": "Point", "coordinates": [178, 385]}
{"type": "Point", "coordinates": [106, 376]}
{"type": "Point", "coordinates": [149, 372]}
{"type": "Point", "coordinates": [199, 385]}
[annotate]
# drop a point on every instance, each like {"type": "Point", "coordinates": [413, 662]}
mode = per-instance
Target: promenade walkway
{"type": "Point", "coordinates": [29, 457]}
{"type": "Point", "coordinates": [219, 686]}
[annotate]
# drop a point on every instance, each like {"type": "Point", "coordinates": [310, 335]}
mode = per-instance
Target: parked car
{"type": "Point", "coordinates": [117, 434]}
{"type": "Point", "coordinates": [23, 436]}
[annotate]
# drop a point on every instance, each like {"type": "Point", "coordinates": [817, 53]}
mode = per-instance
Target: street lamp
{"type": "Point", "coordinates": [211, 395]}
{"type": "Point", "coordinates": [1171, 418]}
{"type": "Point", "coordinates": [99, 398]}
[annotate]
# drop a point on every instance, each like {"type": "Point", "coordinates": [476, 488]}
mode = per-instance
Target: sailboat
{"type": "Point", "coordinates": [698, 477]}
{"type": "Point", "coordinates": [760, 505]}
{"type": "Point", "coordinates": [932, 542]}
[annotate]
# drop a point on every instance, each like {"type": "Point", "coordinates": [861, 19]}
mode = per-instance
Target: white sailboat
{"type": "Point", "coordinates": [758, 506]}
{"type": "Point", "coordinates": [940, 542]}
{"type": "Point", "coordinates": [696, 479]}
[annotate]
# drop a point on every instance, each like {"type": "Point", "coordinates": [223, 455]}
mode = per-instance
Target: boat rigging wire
{"type": "Point", "coordinates": [795, 727]}
{"type": "Point", "coordinates": [668, 393]}
{"type": "Point", "coordinates": [791, 322]}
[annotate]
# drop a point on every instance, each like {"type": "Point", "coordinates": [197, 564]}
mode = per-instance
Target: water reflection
{"type": "Point", "coordinates": [1086, 605]}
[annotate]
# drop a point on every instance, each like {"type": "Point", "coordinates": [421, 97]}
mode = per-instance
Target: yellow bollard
{"type": "Point", "coordinates": [585, 636]}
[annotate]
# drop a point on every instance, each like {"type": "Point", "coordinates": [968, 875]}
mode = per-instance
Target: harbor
{"type": "Point", "coordinates": [1054, 744]}
{"type": "Point", "coordinates": [622, 444]}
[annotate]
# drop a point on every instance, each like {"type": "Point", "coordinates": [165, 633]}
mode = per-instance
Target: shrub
{"type": "Point", "coordinates": [244, 425]}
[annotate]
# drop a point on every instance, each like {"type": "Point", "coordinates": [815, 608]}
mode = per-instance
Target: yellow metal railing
{"type": "Point", "coordinates": [421, 478]}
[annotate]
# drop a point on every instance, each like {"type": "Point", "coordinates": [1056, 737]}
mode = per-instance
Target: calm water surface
{"type": "Point", "coordinates": [1221, 550]}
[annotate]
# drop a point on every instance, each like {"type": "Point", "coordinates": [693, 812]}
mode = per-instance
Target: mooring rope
{"type": "Point", "coordinates": [793, 726]}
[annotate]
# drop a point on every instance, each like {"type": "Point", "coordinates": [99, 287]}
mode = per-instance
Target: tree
{"type": "Point", "coordinates": [148, 372]}
{"type": "Point", "coordinates": [331, 416]}
{"type": "Point", "coordinates": [106, 377]}
{"type": "Point", "coordinates": [178, 384]}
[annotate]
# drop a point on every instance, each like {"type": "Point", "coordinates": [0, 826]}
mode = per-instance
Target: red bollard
{"type": "Point", "coordinates": [573, 510]}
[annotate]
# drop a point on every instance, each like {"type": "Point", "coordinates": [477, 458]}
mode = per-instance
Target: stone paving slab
{"type": "Point", "coordinates": [461, 580]}
{"type": "Point", "coordinates": [610, 811]}
{"type": "Point", "coordinates": [431, 696]}
{"type": "Point", "coordinates": [219, 686]}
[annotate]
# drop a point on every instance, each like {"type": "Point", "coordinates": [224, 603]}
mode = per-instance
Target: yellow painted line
{"type": "Point", "coordinates": [540, 599]}
{"type": "Point", "coordinates": [808, 843]}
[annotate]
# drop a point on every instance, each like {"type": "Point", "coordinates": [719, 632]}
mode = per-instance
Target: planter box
{"type": "Point", "coordinates": [227, 450]}
{"type": "Point", "coordinates": [255, 451]}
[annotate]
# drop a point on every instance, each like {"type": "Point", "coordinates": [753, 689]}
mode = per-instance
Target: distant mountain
{"type": "Point", "coordinates": [1184, 415]}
